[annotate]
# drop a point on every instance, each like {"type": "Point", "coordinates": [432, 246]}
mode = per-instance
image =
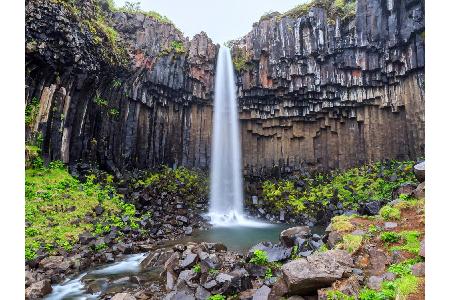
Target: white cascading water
{"type": "Point", "coordinates": [226, 169]}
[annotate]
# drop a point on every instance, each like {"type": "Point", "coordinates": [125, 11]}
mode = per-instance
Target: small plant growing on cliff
{"type": "Point", "coordinates": [113, 112]}
{"type": "Point", "coordinates": [31, 111]}
{"type": "Point", "coordinates": [217, 297]}
{"type": "Point", "coordinates": [390, 213]}
{"type": "Point", "coordinates": [268, 273]}
{"type": "Point", "coordinates": [116, 83]}
{"type": "Point", "coordinates": [100, 101]}
{"type": "Point", "coordinates": [178, 47]}
{"type": "Point", "coordinates": [260, 258]}
{"type": "Point", "coordinates": [197, 268]}
{"type": "Point", "coordinates": [240, 59]}
{"type": "Point", "coordinates": [213, 271]}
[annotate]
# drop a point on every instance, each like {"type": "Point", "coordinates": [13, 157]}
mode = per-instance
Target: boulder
{"type": "Point", "coordinates": [419, 192]}
{"type": "Point", "coordinates": [262, 293]}
{"type": "Point", "coordinates": [85, 238]}
{"type": "Point", "coordinates": [201, 293]}
{"type": "Point", "coordinates": [349, 287]}
{"type": "Point", "coordinates": [418, 269]}
{"type": "Point", "coordinates": [188, 261]}
{"type": "Point", "coordinates": [419, 171]}
{"type": "Point", "coordinates": [182, 295]}
{"type": "Point", "coordinates": [334, 238]}
{"type": "Point", "coordinates": [374, 282]}
{"type": "Point", "coordinates": [279, 289]}
{"type": "Point", "coordinates": [289, 236]}
{"type": "Point", "coordinates": [38, 289]}
{"type": "Point", "coordinates": [305, 276]}
{"type": "Point", "coordinates": [123, 296]}
{"type": "Point", "coordinates": [422, 248]}
{"type": "Point", "coordinates": [371, 208]}
{"type": "Point", "coordinates": [274, 252]}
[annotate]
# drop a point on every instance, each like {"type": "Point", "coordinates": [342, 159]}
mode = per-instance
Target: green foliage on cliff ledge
{"type": "Point", "coordinates": [366, 183]}
{"type": "Point", "coordinates": [31, 111]}
{"type": "Point", "coordinates": [344, 9]}
{"type": "Point", "coordinates": [240, 59]}
{"type": "Point", "coordinates": [180, 182]}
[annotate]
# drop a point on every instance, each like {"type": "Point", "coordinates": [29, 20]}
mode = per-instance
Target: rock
{"type": "Point", "coordinates": [389, 276]}
{"type": "Point", "coordinates": [201, 293]}
{"type": "Point", "coordinates": [256, 270]}
{"type": "Point", "coordinates": [182, 219]}
{"type": "Point", "coordinates": [305, 253]}
{"type": "Point", "coordinates": [85, 238]}
{"type": "Point", "coordinates": [288, 236]}
{"type": "Point", "coordinates": [304, 276]}
{"type": "Point", "coordinates": [182, 295]}
{"type": "Point", "coordinates": [185, 278]}
{"type": "Point", "coordinates": [98, 210]}
{"type": "Point", "coordinates": [334, 238]}
{"type": "Point", "coordinates": [390, 225]}
{"type": "Point", "coordinates": [371, 208]}
{"type": "Point", "coordinates": [405, 189]}
{"type": "Point", "coordinates": [38, 289]}
{"type": "Point", "coordinates": [374, 282]}
{"type": "Point", "coordinates": [422, 248]}
{"type": "Point", "coordinates": [378, 261]}
{"type": "Point", "coordinates": [187, 230]}
{"type": "Point", "coordinates": [278, 290]}
{"type": "Point", "coordinates": [418, 269]}
{"type": "Point", "coordinates": [188, 261]}
{"type": "Point", "coordinates": [419, 192]}
{"type": "Point", "coordinates": [419, 171]}
{"type": "Point", "coordinates": [209, 285]}
{"type": "Point", "coordinates": [217, 247]}
{"type": "Point", "coordinates": [262, 293]}
{"type": "Point", "coordinates": [296, 298]}
{"type": "Point", "coordinates": [349, 287]}
{"type": "Point", "coordinates": [274, 252]}
{"type": "Point", "coordinates": [123, 296]}
{"type": "Point", "coordinates": [255, 200]}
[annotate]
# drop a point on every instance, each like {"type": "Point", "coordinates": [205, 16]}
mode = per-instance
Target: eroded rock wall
{"type": "Point", "coordinates": [321, 93]}
{"type": "Point", "coordinates": [153, 107]}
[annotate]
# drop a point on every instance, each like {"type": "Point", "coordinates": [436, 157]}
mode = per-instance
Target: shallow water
{"type": "Point", "coordinates": [242, 238]}
{"type": "Point", "coordinates": [236, 238]}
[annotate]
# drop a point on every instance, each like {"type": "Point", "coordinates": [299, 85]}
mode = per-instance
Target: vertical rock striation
{"type": "Point", "coordinates": [129, 91]}
{"type": "Point", "coordinates": [153, 107]}
{"type": "Point", "coordinates": [322, 93]}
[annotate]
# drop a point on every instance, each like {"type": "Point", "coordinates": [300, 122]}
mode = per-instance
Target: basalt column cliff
{"type": "Point", "coordinates": [316, 90]}
{"type": "Point", "coordinates": [321, 92]}
{"type": "Point", "coordinates": [123, 89]}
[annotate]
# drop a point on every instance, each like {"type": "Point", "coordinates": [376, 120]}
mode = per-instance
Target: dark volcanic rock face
{"type": "Point", "coordinates": [322, 93]}
{"type": "Point", "coordinates": [151, 108]}
{"type": "Point", "coordinates": [314, 92]}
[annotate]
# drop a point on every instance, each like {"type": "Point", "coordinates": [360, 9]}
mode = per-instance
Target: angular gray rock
{"type": "Point", "coordinates": [304, 276]}
{"type": "Point", "coordinates": [289, 236]}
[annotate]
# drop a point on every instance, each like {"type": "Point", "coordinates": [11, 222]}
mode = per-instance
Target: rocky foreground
{"type": "Point", "coordinates": [358, 257]}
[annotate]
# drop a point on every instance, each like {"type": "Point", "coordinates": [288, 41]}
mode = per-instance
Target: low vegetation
{"type": "Point", "coordinates": [343, 9]}
{"type": "Point", "coordinates": [351, 187]}
{"type": "Point", "coordinates": [58, 208]}
{"type": "Point", "coordinates": [241, 59]}
{"type": "Point", "coordinates": [259, 258]}
{"type": "Point", "coordinates": [176, 47]}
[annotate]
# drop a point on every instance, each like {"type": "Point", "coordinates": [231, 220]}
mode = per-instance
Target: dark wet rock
{"type": "Point", "coordinates": [288, 236]}
{"type": "Point", "coordinates": [85, 238]}
{"type": "Point", "coordinates": [201, 293]}
{"type": "Point", "coordinates": [371, 208]}
{"type": "Point", "coordinates": [38, 289]}
{"type": "Point", "coordinates": [418, 269]}
{"type": "Point", "coordinates": [419, 171]}
{"type": "Point", "coordinates": [98, 210]}
{"type": "Point", "coordinates": [274, 252]}
{"type": "Point", "coordinates": [304, 276]}
{"type": "Point", "coordinates": [182, 219]}
{"type": "Point", "coordinates": [256, 270]}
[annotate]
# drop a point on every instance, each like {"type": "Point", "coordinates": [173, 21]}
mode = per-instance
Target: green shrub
{"type": "Point", "coordinates": [100, 101]}
{"type": "Point", "coordinates": [390, 213]}
{"type": "Point", "coordinates": [338, 295]}
{"type": "Point", "coordinates": [341, 223]}
{"type": "Point", "coordinates": [259, 258]}
{"type": "Point", "coordinates": [411, 242]}
{"type": "Point", "coordinates": [31, 111]}
{"type": "Point", "coordinates": [390, 237]}
{"type": "Point", "coordinates": [114, 112]}
{"type": "Point", "coordinates": [217, 297]}
{"type": "Point", "coordinates": [351, 242]}
{"type": "Point", "coordinates": [268, 273]}
{"type": "Point", "coordinates": [403, 268]}
{"type": "Point", "coordinates": [240, 58]}
{"type": "Point", "coordinates": [344, 9]}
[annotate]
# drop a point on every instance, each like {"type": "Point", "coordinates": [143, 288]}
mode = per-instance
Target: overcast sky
{"type": "Point", "coordinates": [222, 20]}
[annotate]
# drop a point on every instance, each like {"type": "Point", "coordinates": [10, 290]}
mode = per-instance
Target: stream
{"type": "Point", "coordinates": [112, 277]}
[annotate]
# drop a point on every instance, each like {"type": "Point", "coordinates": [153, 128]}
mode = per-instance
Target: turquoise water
{"type": "Point", "coordinates": [240, 239]}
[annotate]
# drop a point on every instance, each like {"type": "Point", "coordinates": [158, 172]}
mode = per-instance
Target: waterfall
{"type": "Point", "coordinates": [226, 196]}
